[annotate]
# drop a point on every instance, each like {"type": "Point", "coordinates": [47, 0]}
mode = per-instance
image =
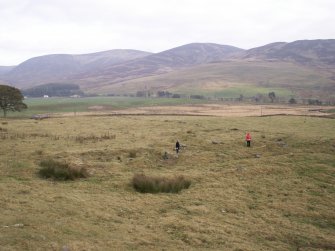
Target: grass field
{"type": "Point", "coordinates": [277, 195]}
{"type": "Point", "coordinates": [130, 105]}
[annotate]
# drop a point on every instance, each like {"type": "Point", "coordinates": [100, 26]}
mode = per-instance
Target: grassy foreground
{"type": "Point", "coordinates": [277, 195]}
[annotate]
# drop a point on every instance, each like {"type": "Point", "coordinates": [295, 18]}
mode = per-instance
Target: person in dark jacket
{"type": "Point", "coordinates": [177, 146]}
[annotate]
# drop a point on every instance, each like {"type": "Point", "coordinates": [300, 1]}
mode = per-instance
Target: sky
{"type": "Point", "coordinates": [30, 28]}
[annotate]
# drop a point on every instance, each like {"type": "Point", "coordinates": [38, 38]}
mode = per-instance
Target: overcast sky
{"type": "Point", "coordinates": [30, 28]}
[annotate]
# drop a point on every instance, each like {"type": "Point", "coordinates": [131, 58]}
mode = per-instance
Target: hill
{"type": "Point", "coordinates": [304, 67]}
{"type": "Point", "coordinates": [155, 64]}
{"type": "Point", "coordinates": [231, 79]}
{"type": "Point", "coordinates": [59, 67]}
{"type": "Point", "coordinates": [5, 69]}
{"type": "Point", "coordinates": [306, 52]}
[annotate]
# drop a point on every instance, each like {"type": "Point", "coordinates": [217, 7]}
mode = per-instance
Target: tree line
{"type": "Point", "coordinates": [53, 90]}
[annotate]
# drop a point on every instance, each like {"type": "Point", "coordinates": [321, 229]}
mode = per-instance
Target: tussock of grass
{"type": "Point", "coordinates": [147, 184]}
{"type": "Point", "coordinates": [61, 170]}
{"type": "Point", "coordinates": [132, 154]}
{"type": "Point", "coordinates": [94, 138]}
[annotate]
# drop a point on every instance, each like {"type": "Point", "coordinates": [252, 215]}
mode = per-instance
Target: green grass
{"type": "Point", "coordinates": [73, 105]}
{"type": "Point", "coordinates": [330, 110]}
{"type": "Point", "coordinates": [235, 92]}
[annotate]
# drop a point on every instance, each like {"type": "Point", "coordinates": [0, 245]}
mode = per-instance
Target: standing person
{"type": "Point", "coordinates": [248, 139]}
{"type": "Point", "coordinates": [177, 147]}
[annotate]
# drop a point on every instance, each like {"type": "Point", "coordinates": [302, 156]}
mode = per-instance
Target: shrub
{"type": "Point", "coordinates": [61, 170]}
{"type": "Point", "coordinates": [94, 138]}
{"type": "Point", "coordinates": [39, 152]}
{"type": "Point", "coordinates": [146, 184]}
{"type": "Point", "coordinates": [197, 97]}
{"type": "Point", "coordinates": [132, 154]}
{"type": "Point", "coordinates": [292, 101]}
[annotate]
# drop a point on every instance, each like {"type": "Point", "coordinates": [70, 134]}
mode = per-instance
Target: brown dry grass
{"type": "Point", "coordinates": [220, 110]}
{"type": "Point", "coordinates": [276, 195]}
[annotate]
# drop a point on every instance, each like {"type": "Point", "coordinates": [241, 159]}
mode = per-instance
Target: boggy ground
{"type": "Point", "coordinates": [276, 195]}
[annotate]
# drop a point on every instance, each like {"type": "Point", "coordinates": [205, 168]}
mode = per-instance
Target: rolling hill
{"type": "Point", "coordinates": [5, 69]}
{"type": "Point", "coordinates": [305, 68]}
{"type": "Point", "coordinates": [159, 63]}
{"type": "Point", "coordinates": [233, 78]}
{"type": "Point", "coordinates": [59, 67]}
{"type": "Point", "coordinates": [306, 52]}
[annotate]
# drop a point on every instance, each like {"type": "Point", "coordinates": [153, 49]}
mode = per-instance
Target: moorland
{"type": "Point", "coordinates": [276, 195]}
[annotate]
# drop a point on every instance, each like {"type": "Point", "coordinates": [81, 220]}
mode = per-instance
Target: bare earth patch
{"type": "Point", "coordinates": [96, 108]}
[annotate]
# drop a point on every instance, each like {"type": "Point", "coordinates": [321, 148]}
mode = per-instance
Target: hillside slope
{"type": "Point", "coordinates": [231, 78]}
{"type": "Point", "coordinates": [306, 52]}
{"type": "Point", "coordinates": [59, 67]}
{"type": "Point", "coordinates": [5, 69]}
{"type": "Point", "coordinates": [166, 61]}
{"type": "Point", "coordinates": [198, 67]}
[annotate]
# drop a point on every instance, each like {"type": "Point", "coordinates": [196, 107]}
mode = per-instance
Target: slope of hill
{"type": "Point", "coordinates": [230, 79]}
{"type": "Point", "coordinates": [197, 67]}
{"type": "Point", "coordinates": [43, 69]}
{"type": "Point", "coordinates": [5, 69]}
{"type": "Point", "coordinates": [59, 67]}
{"type": "Point", "coordinates": [193, 54]}
{"type": "Point", "coordinates": [176, 58]}
{"type": "Point", "coordinates": [306, 52]}
{"type": "Point", "coordinates": [92, 61]}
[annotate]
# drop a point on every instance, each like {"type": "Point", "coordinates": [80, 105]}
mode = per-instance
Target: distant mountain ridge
{"type": "Point", "coordinates": [121, 71]}
{"type": "Point", "coordinates": [59, 67]}
{"type": "Point", "coordinates": [166, 61]}
{"type": "Point", "coordinates": [5, 69]}
{"type": "Point", "coordinates": [306, 52]}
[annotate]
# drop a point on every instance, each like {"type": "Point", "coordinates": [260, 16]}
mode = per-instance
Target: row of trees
{"type": "Point", "coordinates": [166, 94]}
{"type": "Point", "coordinates": [53, 90]}
{"type": "Point", "coordinates": [259, 98]}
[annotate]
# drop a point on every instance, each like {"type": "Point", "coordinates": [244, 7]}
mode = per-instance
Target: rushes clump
{"type": "Point", "coordinates": [61, 170]}
{"type": "Point", "coordinates": [147, 184]}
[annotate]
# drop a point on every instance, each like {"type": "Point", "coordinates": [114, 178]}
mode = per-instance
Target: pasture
{"type": "Point", "coordinates": [56, 107]}
{"type": "Point", "coordinates": [277, 195]}
{"type": "Point", "coordinates": [93, 104]}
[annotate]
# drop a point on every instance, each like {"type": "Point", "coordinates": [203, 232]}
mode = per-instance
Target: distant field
{"type": "Point", "coordinates": [277, 195]}
{"type": "Point", "coordinates": [74, 105]}
{"type": "Point", "coordinates": [56, 107]}
{"type": "Point", "coordinates": [236, 91]}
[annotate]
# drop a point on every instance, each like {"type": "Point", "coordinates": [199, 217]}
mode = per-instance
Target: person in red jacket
{"type": "Point", "coordinates": [248, 139]}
